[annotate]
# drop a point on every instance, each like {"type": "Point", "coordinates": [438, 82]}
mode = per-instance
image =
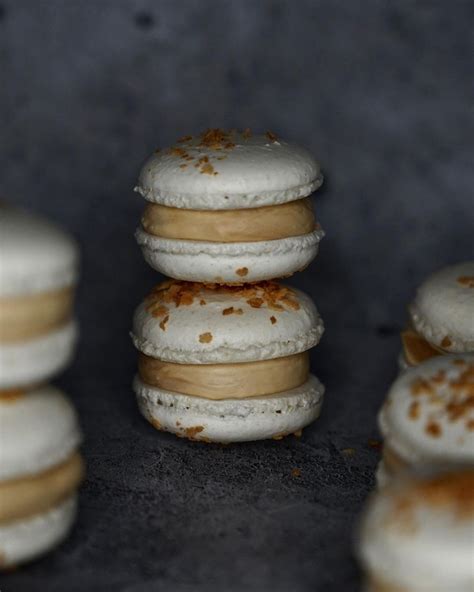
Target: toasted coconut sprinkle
{"type": "Point", "coordinates": [205, 337]}
{"type": "Point", "coordinates": [453, 490]}
{"type": "Point", "coordinates": [269, 294]}
{"type": "Point", "coordinates": [452, 397]}
{"type": "Point", "coordinates": [271, 136]}
{"type": "Point", "coordinates": [163, 322]}
{"type": "Point", "coordinates": [232, 310]}
{"type": "Point", "coordinates": [446, 342]}
{"type": "Point", "coordinates": [466, 280]}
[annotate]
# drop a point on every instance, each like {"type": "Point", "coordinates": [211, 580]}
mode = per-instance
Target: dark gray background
{"type": "Point", "coordinates": [381, 92]}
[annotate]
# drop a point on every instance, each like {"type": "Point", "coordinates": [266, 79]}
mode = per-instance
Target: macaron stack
{"type": "Point", "coordinates": [418, 535]}
{"type": "Point", "coordinates": [441, 317]}
{"type": "Point", "coordinates": [40, 467]}
{"type": "Point", "coordinates": [223, 348]}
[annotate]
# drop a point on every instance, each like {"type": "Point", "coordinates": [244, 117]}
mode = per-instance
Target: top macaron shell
{"type": "Point", "coordinates": [418, 542]}
{"type": "Point", "coordinates": [35, 255]}
{"type": "Point", "coordinates": [221, 326]}
{"type": "Point", "coordinates": [235, 172]}
{"type": "Point", "coordinates": [427, 417]}
{"type": "Point", "coordinates": [38, 430]}
{"type": "Point", "coordinates": [443, 310]}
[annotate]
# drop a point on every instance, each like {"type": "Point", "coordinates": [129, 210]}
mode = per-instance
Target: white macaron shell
{"type": "Point", "coordinates": [37, 431]}
{"type": "Point", "coordinates": [24, 540]}
{"type": "Point", "coordinates": [408, 437]}
{"type": "Point", "coordinates": [35, 255]}
{"type": "Point", "coordinates": [247, 337]}
{"type": "Point", "coordinates": [200, 261]}
{"type": "Point", "coordinates": [231, 420]}
{"type": "Point", "coordinates": [444, 307]}
{"type": "Point", "coordinates": [255, 172]}
{"type": "Point", "coordinates": [28, 362]}
{"type": "Point", "coordinates": [434, 556]}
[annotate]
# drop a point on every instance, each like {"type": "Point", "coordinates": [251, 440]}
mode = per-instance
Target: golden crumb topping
{"type": "Point", "coordinates": [190, 148]}
{"type": "Point", "coordinates": [205, 338]}
{"type": "Point", "coordinates": [271, 136]}
{"type": "Point", "coordinates": [454, 490]}
{"type": "Point", "coordinates": [263, 294]}
{"type": "Point", "coordinates": [231, 310]}
{"type": "Point", "coordinates": [446, 342]}
{"type": "Point", "coordinates": [451, 396]}
{"type": "Point", "coordinates": [163, 322]}
{"type": "Point", "coordinates": [467, 281]}
{"type": "Point", "coordinates": [433, 429]}
{"type": "Point", "coordinates": [11, 395]}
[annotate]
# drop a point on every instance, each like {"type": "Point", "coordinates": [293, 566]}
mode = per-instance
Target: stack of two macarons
{"type": "Point", "coordinates": [223, 348]}
{"type": "Point", "coordinates": [40, 466]}
{"type": "Point", "coordinates": [417, 531]}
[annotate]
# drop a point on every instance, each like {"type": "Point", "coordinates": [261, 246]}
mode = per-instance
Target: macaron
{"type": "Point", "coordinates": [229, 207]}
{"type": "Point", "coordinates": [417, 535]}
{"type": "Point", "coordinates": [40, 471]}
{"type": "Point", "coordinates": [441, 316]}
{"type": "Point", "coordinates": [428, 417]}
{"type": "Point", "coordinates": [227, 364]}
{"type": "Point", "coordinates": [38, 272]}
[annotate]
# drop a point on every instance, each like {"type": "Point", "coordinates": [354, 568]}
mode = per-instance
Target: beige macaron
{"type": "Point", "coordinates": [40, 472]}
{"type": "Point", "coordinates": [441, 316]}
{"type": "Point", "coordinates": [229, 207]}
{"type": "Point", "coordinates": [428, 417]}
{"type": "Point", "coordinates": [227, 364]}
{"type": "Point", "coordinates": [418, 535]}
{"type": "Point", "coordinates": [38, 274]}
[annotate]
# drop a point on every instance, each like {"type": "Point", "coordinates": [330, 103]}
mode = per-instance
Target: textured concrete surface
{"type": "Point", "coordinates": [382, 94]}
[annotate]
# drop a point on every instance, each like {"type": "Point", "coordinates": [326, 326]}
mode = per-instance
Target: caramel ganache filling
{"type": "Point", "coordinates": [228, 226]}
{"type": "Point", "coordinates": [416, 349]}
{"type": "Point", "coordinates": [226, 381]}
{"type": "Point", "coordinates": [392, 461]}
{"type": "Point", "coordinates": [24, 497]}
{"type": "Point", "coordinates": [28, 317]}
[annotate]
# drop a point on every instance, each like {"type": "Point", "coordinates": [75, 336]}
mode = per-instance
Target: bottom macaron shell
{"type": "Point", "coordinates": [37, 360]}
{"type": "Point", "coordinates": [231, 420]}
{"type": "Point", "coordinates": [24, 540]}
{"type": "Point", "coordinates": [199, 261]}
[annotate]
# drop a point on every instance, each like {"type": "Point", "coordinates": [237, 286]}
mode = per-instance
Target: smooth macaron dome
{"type": "Point", "coordinates": [40, 471]}
{"type": "Point", "coordinates": [428, 416]}
{"type": "Point", "coordinates": [417, 535]}
{"type": "Point", "coordinates": [223, 202]}
{"type": "Point", "coordinates": [211, 347]}
{"type": "Point", "coordinates": [38, 273]}
{"type": "Point", "coordinates": [442, 312]}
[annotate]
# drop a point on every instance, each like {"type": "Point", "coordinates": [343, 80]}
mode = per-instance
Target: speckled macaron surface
{"type": "Point", "coordinates": [226, 201]}
{"type": "Point", "coordinates": [417, 535]}
{"type": "Point", "coordinates": [443, 309]}
{"type": "Point", "coordinates": [35, 255]}
{"type": "Point", "coordinates": [428, 416]}
{"type": "Point", "coordinates": [231, 420]}
{"type": "Point", "coordinates": [220, 170]}
{"type": "Point", "coordinates": [197, 324]}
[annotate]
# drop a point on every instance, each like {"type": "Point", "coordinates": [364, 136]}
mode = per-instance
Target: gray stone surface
{"type": "Point", "coordinates": [381, 93]}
